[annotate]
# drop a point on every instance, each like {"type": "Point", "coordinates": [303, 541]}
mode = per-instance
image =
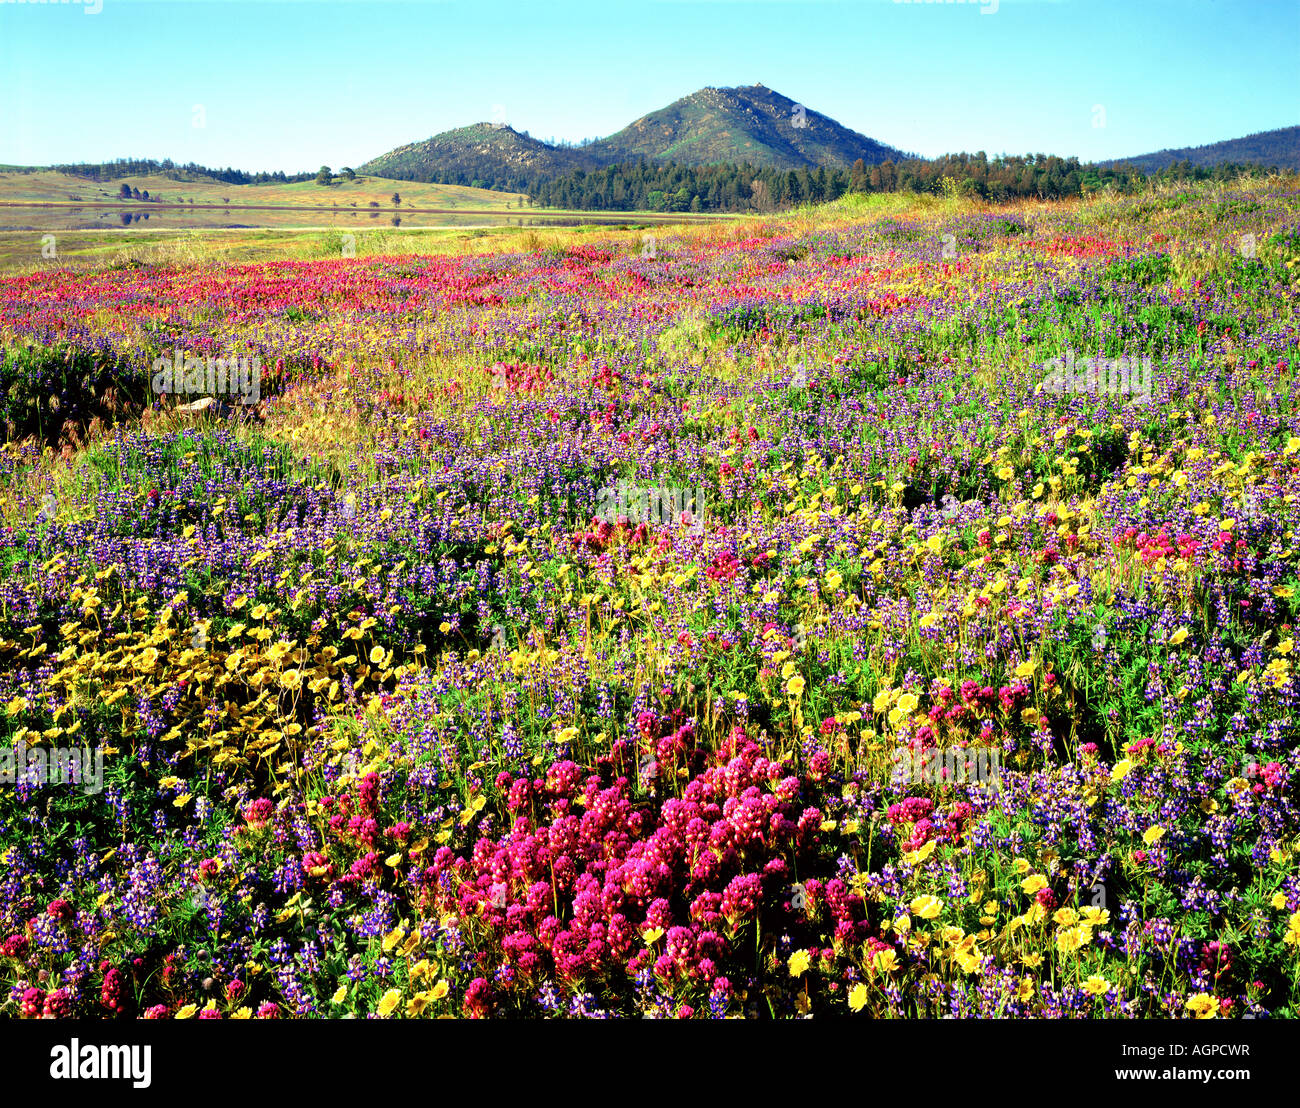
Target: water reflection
{"type": "Point", "coordinates": [91, 217]}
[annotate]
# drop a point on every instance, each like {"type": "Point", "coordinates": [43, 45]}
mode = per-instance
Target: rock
{"type": "Point", "coordinates": [203, 404]}
{"type": "Point", "coordinates": [219, 409]}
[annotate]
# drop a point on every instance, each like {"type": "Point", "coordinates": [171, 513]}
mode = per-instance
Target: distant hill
{"type": "Point", "coordinates": [484, 154]}
{"type": "Point", "coordinates": [714, 125]}
{"type": "Point", "coordinates": [729, 125]}
{"type": "Point", "coordinates": [150, 167]}
{"type": "Point", "coordinates": [1279, 148]}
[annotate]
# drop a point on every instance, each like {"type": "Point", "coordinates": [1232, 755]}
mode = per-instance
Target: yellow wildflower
{"type": "Point", "coordinates": [927, 907]}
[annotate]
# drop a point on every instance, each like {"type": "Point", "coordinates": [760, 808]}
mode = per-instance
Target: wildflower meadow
{"type": "Point", "coordinates": [883, 609]}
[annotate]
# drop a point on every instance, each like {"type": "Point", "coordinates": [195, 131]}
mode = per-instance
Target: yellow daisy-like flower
{"type": "Point", "coordinates": [1279, 901]}
{"type": "Point", "coordinates": [389, 1002]}
{"type": "Point", "coordinates": [1153, 835]}
{"type": "Point", "coordinates": [1025, 669]}
{"type": "Point", "coordinates": [795, 686]}
{"type": "Point", "coordinates": [857, 997]}
{"type": "Point", "coordinates": [187, 1012]}
{"type": "Point", "coordinates": [340, 995]}
{"type": "Point", "coordinates": [1120, 769]}
{"type": "Point", "coordinates": [440, 990]}
{"type": "Point", "coordinates": [1006, 473]}
{"type": "Point", "coordinates": [260, 612]}
{"type": "Point", "coordinates": [1203, 1006]}
{"type": "Point", "coordinates": [907, 703]}
{"type": "Point", "coordinates": [916, 857]}
{"type": "Point", "coordinates": [1033, 883]}
{"type": "Point", "coordinates": [376, 655]}
{"type": "Point", "coordinates": [788, 670]}
{"type": "Point", "coordinates": [881, 701]}
{"type": "Point", "coordinates": [1070, 939]}
{"type": "Point", "coordinates": [291, 679]}
{"type": "Point", "coordinates": [652, 935]}
{"type": "Point", "coordinates": [1178, 636]}
{"type": "Point", "coordinates": [884, 961]}
{"type": "Point", "coordinates": [799, 963]}
{"type": "Point", "coordinates": [417, 1004]}
{"type": "Point", "coordinates": [1096, 986]}
{"type": "Point", "coordinates": [927, 907]}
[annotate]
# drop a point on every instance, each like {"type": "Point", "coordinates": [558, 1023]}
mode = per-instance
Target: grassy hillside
{"type": "Point", "coordinates": [367, 199]}
{"type": "Point", "coordinates": [46, 185]}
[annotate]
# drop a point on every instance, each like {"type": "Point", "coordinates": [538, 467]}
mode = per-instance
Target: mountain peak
{"type": "Point", "coordinates": [748, 123]}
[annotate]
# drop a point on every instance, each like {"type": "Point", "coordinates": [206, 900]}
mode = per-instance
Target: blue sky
{"type": "Point", "coordinates": [292, 85]}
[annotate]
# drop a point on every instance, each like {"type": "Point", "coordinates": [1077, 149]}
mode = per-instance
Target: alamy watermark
{"type": "Point", "coordinates": [1130, 376]}
{"type": "Point", "coordinates": [971, 765]}
{"type": "Point", "coordinates": [987, 7]}
{"type": "Point", "coordinates": [39, 766]}
{"type": "Point", "coordinates": [93, 7]}
{"type": "Point", "coordinates": [100, 1062]}
{"type": "Point", "coordinates": [662, 505]}
{"type": "Point", "coordinates": [189, 373]}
